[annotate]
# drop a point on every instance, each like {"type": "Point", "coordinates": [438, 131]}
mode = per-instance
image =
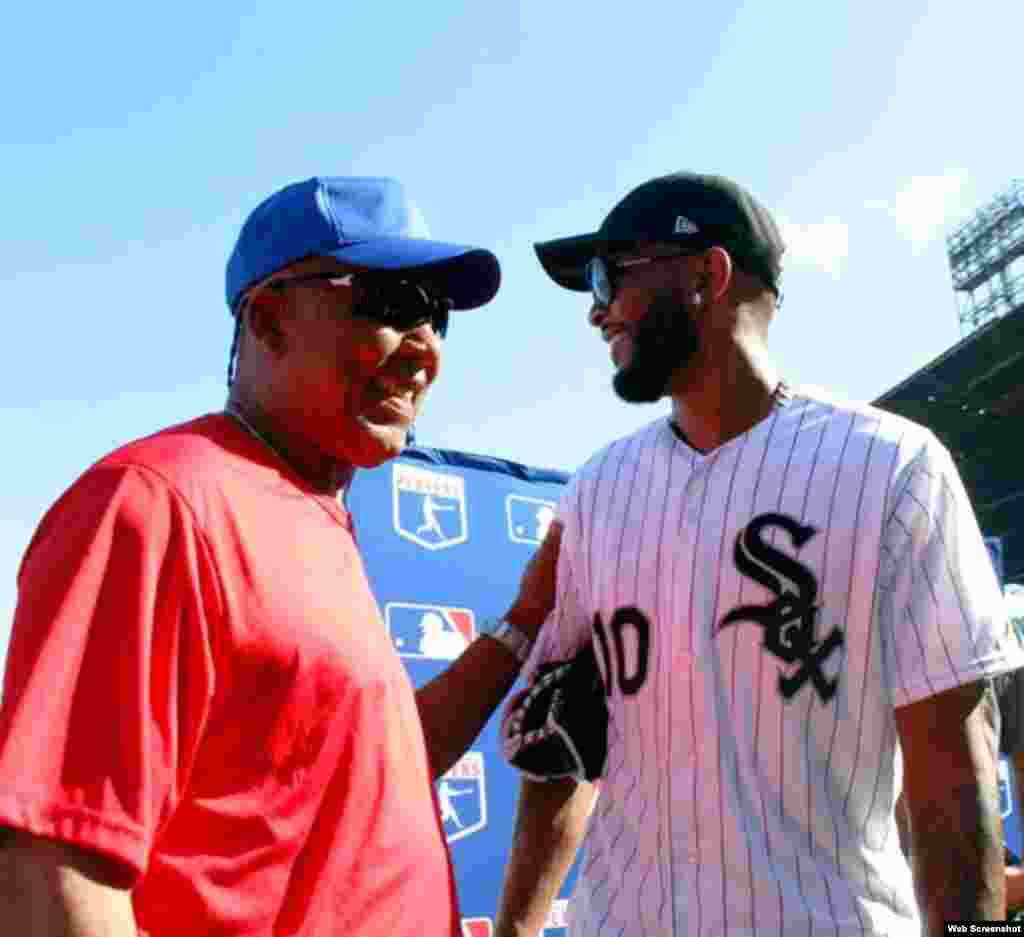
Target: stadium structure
{"type": "Point", "coordinates": [972, 396]}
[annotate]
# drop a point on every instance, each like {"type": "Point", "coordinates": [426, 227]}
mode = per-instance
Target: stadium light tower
{"type": "Point", "coordinates": [986, 259]}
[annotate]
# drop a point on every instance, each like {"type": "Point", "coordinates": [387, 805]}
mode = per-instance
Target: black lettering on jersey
{"type": "Point", "coordinates": [630, 617]}
{"type": "Point", "coordinates": [606, 656]}
{"type": "Point", "coordinates": [789, 622]}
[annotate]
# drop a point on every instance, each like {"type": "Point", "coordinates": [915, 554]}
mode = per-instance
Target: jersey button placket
{"type": "Point", "coordinates": [695, 495]}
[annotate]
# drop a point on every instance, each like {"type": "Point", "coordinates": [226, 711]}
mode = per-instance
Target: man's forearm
{"type": "Point", "coordinates": [51, 890]}
{"type": "Point", "coordinates": [952, 799]}
{"type": "Point", "coordinates": [455, 706]}
{"type": "Point", "coordinates": [958, 866]}
{"type": "Point", "coordinates": [550, 824]}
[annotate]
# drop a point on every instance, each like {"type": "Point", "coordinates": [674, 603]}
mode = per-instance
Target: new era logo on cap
{"type": "Point", "coordinates": [685, 226]}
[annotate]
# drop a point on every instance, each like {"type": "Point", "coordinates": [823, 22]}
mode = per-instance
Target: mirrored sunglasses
{"type": "Point", "coordinates": [389, 300]}
{"type": "Point", "coordinates": [603, 275]}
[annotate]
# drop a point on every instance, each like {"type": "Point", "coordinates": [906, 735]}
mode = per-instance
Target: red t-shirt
{"type": "Point", "coordinates": [199, 686]}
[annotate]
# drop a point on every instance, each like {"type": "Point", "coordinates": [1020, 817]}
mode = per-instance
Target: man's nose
{"type": "Point", "coordinates": [421, 348]}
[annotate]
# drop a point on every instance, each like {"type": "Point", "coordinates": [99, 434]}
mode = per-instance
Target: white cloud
{"type": "Point", "coordinates": [821, 244]}
{"type": "Point", "coordinates": [927, 206]}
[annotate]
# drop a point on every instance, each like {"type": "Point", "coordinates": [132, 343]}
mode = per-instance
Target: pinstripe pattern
{"type": "Point", "coordinates": [727, 805]}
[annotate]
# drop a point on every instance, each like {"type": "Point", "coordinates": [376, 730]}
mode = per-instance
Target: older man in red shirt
{"type": "Point", "coordinates": [205, 729]}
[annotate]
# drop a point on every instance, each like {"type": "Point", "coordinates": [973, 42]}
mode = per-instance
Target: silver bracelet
{"type": "Point", "coordinates": [508, 635]}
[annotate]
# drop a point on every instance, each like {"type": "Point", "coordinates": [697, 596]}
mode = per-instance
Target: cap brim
{"type": "Point", "coordinates": [564, 259]}
{"type": "Point", "coordinates": [469, 276]}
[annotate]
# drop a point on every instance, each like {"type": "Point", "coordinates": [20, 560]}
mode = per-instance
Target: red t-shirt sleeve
{"type": "Point", "coordinates": [110, 668]}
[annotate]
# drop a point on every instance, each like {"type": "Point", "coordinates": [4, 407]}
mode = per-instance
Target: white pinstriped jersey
{"type": "Point", "coordinates": [758, 613]}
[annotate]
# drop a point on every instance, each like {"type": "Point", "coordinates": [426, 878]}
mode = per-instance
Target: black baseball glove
{"type": "Point", "coordinates": [558, 726]}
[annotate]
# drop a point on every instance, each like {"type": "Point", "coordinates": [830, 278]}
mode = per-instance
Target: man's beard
{"type": "Point", "coordinates": [664, 340]}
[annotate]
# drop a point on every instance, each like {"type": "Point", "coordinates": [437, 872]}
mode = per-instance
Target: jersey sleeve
{"type": "Point", "coordinates": [567, 628]}
{"type": "Point", "coordinates": [110, 668]}
{"type": "Point", "coordinates": [942, 617]}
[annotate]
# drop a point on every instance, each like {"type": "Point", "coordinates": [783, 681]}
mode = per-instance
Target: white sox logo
{"type": "Point", "coordinates": [789, 622]}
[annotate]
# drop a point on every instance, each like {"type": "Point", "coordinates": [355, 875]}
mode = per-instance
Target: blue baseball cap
{"type": "Point", "coordinates": [367, 222]}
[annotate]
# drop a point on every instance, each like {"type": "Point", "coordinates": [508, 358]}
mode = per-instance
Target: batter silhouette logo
{"type": "Point", "coordinates": [477, 927]}
{"type": "Point", "coordinates": [462, 796]}
{"type": "Point", "coordinates": [528, 518]}
{"type": "Point", "coordinates": [429, 632]}
{"type": "Point", "coordinates": [429, 507]}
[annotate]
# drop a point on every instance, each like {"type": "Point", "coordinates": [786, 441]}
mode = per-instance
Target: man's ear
{"type": "Point", "coordinates": [264, 313]}
{"type": "Point", "coordinates": [718, 273]}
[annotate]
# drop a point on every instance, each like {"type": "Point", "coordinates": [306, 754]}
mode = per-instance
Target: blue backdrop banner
{"type": "Point", "coordinates": [445, 536]}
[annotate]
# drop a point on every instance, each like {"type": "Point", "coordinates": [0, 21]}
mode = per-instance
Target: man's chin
{"type": "Point", "coordinates": [377, 444]}
{"type": "Point", "coordinates": [638, 385]}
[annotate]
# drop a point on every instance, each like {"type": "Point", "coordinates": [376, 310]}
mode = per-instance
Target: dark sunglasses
{"type": "Point", "coordinates": [603, 275]}
{"type": "Point", "coordinates": [389, 300]}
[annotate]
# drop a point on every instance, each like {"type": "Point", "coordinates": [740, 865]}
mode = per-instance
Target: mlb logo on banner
{"type": "Point", "coordinates": [429, 507]}
{"type": "Point", "coordinates": [477, 927]}
{"type": "Point", "coordinates": [558, 916]}
{"type": "Point", "coordinates": [462, 795]}
{"type": "Point", "coordinates": [429, 632]}
{"type": "Point", "coordinates": [528, 518]}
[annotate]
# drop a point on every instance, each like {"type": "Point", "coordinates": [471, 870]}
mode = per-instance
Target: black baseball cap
{"type": "Point", "coordinates": [686, 209]}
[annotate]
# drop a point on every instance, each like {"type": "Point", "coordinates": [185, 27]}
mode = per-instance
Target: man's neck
{"type": "Point", "coordinates": [315, 467]}
{"type": "Point", "coordinates": [709, 409]}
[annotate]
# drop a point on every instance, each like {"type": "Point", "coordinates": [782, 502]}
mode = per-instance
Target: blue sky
{"type": "Point", "coordinates": [136, 139]}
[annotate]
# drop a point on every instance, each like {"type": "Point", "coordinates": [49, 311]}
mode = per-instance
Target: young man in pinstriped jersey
{"type": "Point", "coordinates": [794, 615]}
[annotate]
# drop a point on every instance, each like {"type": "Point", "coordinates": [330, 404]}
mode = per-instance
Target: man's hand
{"type": "Point", "coordinates": [536, 596]}
{"type": "Point", "coordinates": [1014, 888]}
